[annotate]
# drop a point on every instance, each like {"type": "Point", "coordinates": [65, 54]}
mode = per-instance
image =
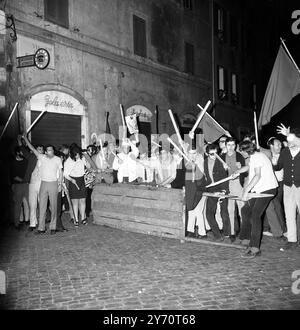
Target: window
{"type": "Point", "coordinates": [233, 32]}
{"type": "Point", "coordinates": [57, 11]}
{"type": "Point", "coordinates": [187, 4]}
{"type": "Point", "coordinates": [189, 58]}
{"type": "Point", "coordinates": [234, 88]}
{"type": "Point", "coordinates": [222, 83]}
{"type": "Point", "coordinates": [139, 36]}
{"type": "Point", "coordinates": [220, 22]}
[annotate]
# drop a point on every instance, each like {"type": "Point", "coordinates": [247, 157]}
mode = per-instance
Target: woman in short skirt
{"type": "Point", "coordinates": [74, 169]}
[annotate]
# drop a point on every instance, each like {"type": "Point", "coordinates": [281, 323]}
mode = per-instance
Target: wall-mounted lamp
{"type": "Point", "coordinates": [10, 24]}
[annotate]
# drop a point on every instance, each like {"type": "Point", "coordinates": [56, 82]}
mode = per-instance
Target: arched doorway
{"type": "Point", "coordinates": [64, 122]}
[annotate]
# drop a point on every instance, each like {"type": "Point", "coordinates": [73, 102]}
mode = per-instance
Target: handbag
{"type": "Point", "coordinates": [89, 178]}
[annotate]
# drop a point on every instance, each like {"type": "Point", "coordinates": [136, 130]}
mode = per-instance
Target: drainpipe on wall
{"type": "Point", "coordinates": [213, 58]}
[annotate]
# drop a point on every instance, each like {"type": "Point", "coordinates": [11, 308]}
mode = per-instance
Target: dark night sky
{"type": "Point", "coordinates": [282, 28]}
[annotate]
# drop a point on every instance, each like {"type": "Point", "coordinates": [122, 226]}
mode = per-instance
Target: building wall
{"type": "Point", "coordinates": [94, 58]}
{"type": "Point", "coordinates": [248, 60]}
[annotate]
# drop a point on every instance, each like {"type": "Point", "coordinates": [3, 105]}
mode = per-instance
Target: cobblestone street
{"type": "Point", "coordinates": [96, 267]}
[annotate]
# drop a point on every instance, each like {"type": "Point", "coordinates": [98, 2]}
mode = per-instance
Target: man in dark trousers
{"type": "Point", "coordinates": [19, 187]}
{"type": "Point", "coordinates": [214, 171]}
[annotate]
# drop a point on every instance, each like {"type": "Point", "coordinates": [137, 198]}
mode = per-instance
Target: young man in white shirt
{"type": "Point", "coordinates": [50, 168]}
{"type": "Point", "coordinates": [262, 180]}
{"type": "Point", "coordinates": [125, 163]}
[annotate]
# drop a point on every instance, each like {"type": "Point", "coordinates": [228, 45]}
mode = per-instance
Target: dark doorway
{"type": "Point", "coordinates": [56, 129]}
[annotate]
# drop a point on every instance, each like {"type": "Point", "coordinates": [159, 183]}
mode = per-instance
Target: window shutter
{"type": "Point", "coordinates": [63, 12]}
{"type": "Point", "coordinates": [139, 36]}
{"type": "Point", "coordinates": [50, 9]}
{"type": "Point", "coordinates": [57, 11]}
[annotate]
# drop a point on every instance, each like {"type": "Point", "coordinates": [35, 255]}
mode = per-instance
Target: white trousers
{"type": "Point", "coordinates": [235, 189]}
{"type": "Point", "coordinates": [291, 200]}
{"type": "Point", "coordinates": [34, 189]}
{"type": "Point", "coordinates": [197, 217]}
{"type": "Point", "coordinates": [24, 214]}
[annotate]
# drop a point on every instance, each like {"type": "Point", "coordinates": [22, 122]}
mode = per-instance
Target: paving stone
{"type": "Point", "coordinates": [104, 268]}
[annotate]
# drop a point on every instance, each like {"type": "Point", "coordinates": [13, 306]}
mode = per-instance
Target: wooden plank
{"type": "Point", "coordinates": [207, 242]}
{"type": "Point", "coordinates": [137, 211]}
{"type": "Point", "coordinates": [140, 228]}
{"type": "Point", "coordinates": [123, 201]}
{"type": "Point", "coordinates": [164, 224]}
{"type": "Point", "coordinates": [140, 191]}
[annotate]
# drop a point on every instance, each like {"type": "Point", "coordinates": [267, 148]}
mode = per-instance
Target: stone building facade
{"type": "Point", "coordinates": [147, 55]}
{"type": "Point", "coordinates": [142, 54]}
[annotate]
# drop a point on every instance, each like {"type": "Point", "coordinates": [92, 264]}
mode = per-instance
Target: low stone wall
{"type": "Point", "coordinates": [152, 211]}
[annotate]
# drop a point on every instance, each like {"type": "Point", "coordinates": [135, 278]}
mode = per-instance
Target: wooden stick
{"type": "Point", "coordinates": [115, 155]}
{"type": "Point", "coordinates": [69, 200]}
{"type": "Point", "coordinates": [122, 115]}
{"type": "Point", "coordinates": [200, 116]}
{"type": "Point", "coordinates": [220, 181]}
{"type": "Point", "coordinates": [156, 119]}
{"type": "Point", "coordinates": [285, 47]}
{"type": "Point", "coordinates": [177, 148]}
{"type": "Point", "coordinates": [221, 160]}
{"type": "Point", "coordinates": [123, 122]}
{"type": "Point", "coordinates": [256, 131]}
{"type": "Point", "coordinates": [100, 140]}
{"type": "Point", "coordinates": [36, 120]}
{"type": "Point", "coordinates": [156, 144]}
{"type": "Point", "coordinates": [9, 119]}
{"type": "Point", "coordinates": [176, 129]}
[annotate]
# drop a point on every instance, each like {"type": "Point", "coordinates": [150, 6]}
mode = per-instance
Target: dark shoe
{"type": "Point", "coordinates": [39, 232]}
{"type": "Point", "coordinates": [232, 238]}
{"type": "Point", "coordinates": [84, 221]}
{"type": "Point", "coordinates": [60, 230]}
{"type": "Point", "coordinates": [218, 239]}
{"type": "Point", "coordinates": [202, 237]}
{"type": "Point", "coordinates": [52, 231]}
{"type": "Point", "coordinates": [31, 228]}
{"type": "Point", "coordinates": [249, 254]}
{"type": "Point", "coordinates": [76, 224]}
{"type": "Point", "coordinates": [191, 235]}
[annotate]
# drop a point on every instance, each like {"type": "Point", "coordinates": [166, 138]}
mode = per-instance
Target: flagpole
{"type": "Point", "coordinates": [11, 114]}
{"type": "Point", "coordinates": [156, 119]}
{"type": "Point", "coordinates": [256, 131]}
{"type": "Point", "coordinates": [288, 52]}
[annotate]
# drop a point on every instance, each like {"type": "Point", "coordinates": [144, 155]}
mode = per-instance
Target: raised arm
{"type": "Point", "coordinates": [30, 146]}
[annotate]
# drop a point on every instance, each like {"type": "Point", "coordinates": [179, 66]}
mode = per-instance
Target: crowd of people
{"type": "Point", "coordinates": [233, 192]}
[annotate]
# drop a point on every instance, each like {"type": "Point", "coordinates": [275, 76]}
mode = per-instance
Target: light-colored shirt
{"type": "Point", "coordinates": [268, 179]}
{"type": "Point", "coordinates": [49, 168]}
{"type": "Point", "coordinates": [128, 167]}
{"type": "Point", "coordinates": [211, 164]}
{"type": "Point", "coordinates": [35, 175]}
{"type": "Point", "coordinates": [74, 168]}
